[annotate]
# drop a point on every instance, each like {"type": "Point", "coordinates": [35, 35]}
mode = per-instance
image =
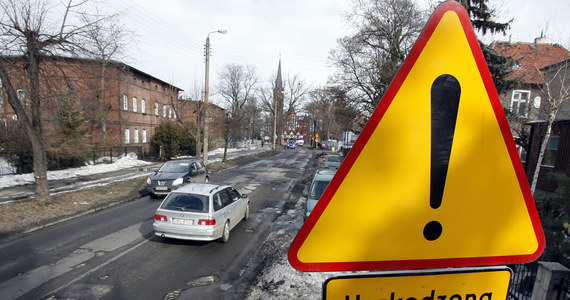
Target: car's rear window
{"type": "Point", "coordinates": [317, 189]}
{"type": "Point", "coordinates": [174, 167]}
{"type": "Point", "coordinates": [333, 158]}
{"type": "Point", "coordinates": [186, 202]}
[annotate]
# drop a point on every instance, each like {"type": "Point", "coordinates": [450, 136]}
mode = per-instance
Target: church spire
{"type": "Point", "coordinates": [279, 80]}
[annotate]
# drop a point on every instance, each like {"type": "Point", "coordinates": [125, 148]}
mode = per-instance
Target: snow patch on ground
{"type": "Point", "coordinates": [126, 161]}
{"type": "Point", "coordinates": [6, 167]}
{"type": "Point", "coordinates": [278, 280]}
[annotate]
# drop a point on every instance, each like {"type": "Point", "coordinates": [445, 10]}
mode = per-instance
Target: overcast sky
{"type": "Point", "coordinates": [170, 34]}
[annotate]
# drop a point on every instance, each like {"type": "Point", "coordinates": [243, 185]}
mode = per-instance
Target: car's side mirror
{"type": "Point", "coordinates": [244, 196]}
{"type": "Point", "coordinates": [305, 193]}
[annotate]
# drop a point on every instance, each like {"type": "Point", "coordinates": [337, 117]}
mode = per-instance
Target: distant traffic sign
{"type": "Point", "coordinates": [465, 284]}
{"type": "Point", "coordinates": [434, 180]}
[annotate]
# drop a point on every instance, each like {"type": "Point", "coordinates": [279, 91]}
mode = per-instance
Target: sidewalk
{"type": "Point", "coordinates": [19, 187]}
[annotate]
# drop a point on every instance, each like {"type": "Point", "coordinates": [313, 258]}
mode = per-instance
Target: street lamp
{"type": "Point", "coordinates": [206, 92]}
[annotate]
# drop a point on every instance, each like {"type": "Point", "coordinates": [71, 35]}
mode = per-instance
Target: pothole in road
{"type": "Point", "coordinates": [252, 186]}
{"type": "Point", "coordinates": [173, 295]}
{"type": "Point", "coordinates": [81, 251]}
{"type": "Point", "coordinates": [81, 265]}
{"type": "Point", "coordinates": [201, 281]}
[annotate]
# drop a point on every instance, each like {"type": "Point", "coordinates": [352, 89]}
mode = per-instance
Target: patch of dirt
{"type": "Point", "coordinates": [24, 216]}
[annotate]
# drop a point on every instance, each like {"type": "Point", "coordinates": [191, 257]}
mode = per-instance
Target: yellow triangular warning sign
{"type": "Point", "coordinates": [434, 179]}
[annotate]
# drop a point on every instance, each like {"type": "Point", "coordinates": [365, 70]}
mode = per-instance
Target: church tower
{"type": "Point", "coordinates": [278, 107]}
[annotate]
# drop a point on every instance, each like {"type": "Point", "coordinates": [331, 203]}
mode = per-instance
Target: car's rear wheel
{"type": "Point", "coordinates": [226, 232]}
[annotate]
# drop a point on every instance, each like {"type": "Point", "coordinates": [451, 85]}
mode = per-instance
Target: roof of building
{"type": "Point", "coordinates": [532, 57]}
{"type": "Point", "coordinates": [112, 62]}
{"type": "Point", "coordinates": [559, 64]}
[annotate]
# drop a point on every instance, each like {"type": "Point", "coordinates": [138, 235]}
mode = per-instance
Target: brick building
{"type": "Point", "coordinates": [123, 109]}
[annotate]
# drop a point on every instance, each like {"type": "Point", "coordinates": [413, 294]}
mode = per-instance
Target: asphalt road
{"type": "Point", "coordinates": [113, 254]}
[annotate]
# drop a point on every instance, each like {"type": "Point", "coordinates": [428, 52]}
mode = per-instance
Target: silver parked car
{"type": "Point", "coordinates": [200, 211]}
{"type": "Point", "coordinates": [332, 161]}
{"type": "Point", "coordinates": [173, 174]}
{"type": "Point", "coordinates": [318, 186]}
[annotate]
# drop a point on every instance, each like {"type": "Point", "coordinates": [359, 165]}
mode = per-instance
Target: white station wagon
{"type": "Point", "coordinates": [200, 211]}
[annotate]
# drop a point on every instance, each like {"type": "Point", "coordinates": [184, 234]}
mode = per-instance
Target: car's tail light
{"type": "Point", "coordinates": [160, 217]}
{"type": "Point", "coordinates": [209, 221]}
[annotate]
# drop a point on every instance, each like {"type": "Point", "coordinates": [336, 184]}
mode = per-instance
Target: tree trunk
{"type": "Point", "coordinates": [40, 169]}
{"type": "Point", "coordinates": [35, 131]}
{"type": "Point", "coordinates": [101, 114]}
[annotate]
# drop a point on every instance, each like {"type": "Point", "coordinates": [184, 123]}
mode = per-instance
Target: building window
{"type": "Point", "coordinates": [156, 108]}
{"type": "Point", "coordinates": [164, 111]}
{"type": "Point", "coordinates": [134, 104]}
{"type": "Point", "coordinates": [127, 136]}
{"type": "Point", "coordinates": [125, 102]}
{"type": "Point", "coordinates": [22, 95]}
{"type": "Point", "coordinates": [144, 135]}
{"type": "Point", "coordinates": [143, 106]}
{"type": "Point", "coordinates": [519, 103]}
{"type": "Point", "coordinates": [136, 136]}
{"type": "Point", "coordinates": [550, 153]}
{"type": "Point", "coordinates": [170, 112]}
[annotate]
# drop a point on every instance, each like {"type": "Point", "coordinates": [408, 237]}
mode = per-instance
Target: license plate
{"type": "Point", "coordinates": [182, 221]}
{"type": "Point", "coordinates": [161, 188]}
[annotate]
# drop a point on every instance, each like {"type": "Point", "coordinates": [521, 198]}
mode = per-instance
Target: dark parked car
{"type": "Point", "coordinates": [173, 174]}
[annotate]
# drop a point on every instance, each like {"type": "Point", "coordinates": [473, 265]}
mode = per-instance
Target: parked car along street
{"type": "Point", "coordinates": [203, 212]}
{"type": "Point", "coordinates": [173, 174]}
{"type": "Point", "coordinates": [317, 188]}
{"type": "Point", "coordinates": [332, 161]}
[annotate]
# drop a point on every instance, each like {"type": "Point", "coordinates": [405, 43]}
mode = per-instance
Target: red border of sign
{"type": "Point", "coordinates": [365, 136]}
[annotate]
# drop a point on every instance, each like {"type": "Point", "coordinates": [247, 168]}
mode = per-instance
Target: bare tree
{"type": "Point", "coordinates": [29, 40]}
{"type": "Point", "coordinates": [266, 96]}
{"type": "Point", "coordinates": [331, 112]}
{"type": "Point", "coordinates": [556, 89]}
{"type": "Point", "coordinates": [321, 109]}
{"type": "Point", "coordinates": [368, 60]}
{"type": "Point", "coordinates": [105, 38]}
{"type": "Point", "coordinates": [296, 90]}
{"type": "Point", "coordinates": [237, 85]}
{"type": "Point", "coordinates": [184, 110]}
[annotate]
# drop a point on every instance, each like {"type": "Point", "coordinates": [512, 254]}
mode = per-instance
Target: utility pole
{"type": "Point", "coordinates": [274, 123]}
{"type": "Point", "coordinates": [206, 93]}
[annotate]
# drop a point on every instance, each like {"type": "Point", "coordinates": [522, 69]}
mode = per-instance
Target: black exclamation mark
{"type": "Point", "coordinates": [445, 93]}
